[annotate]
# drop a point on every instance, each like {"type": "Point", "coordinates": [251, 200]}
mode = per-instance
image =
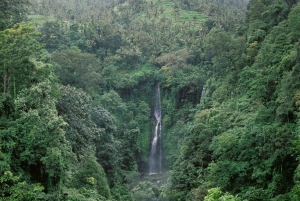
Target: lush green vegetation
{"type": "Point", "coordinates": [77, 92]}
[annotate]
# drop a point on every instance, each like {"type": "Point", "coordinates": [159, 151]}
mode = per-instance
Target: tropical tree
{"type": "Point", "coordinates": [18, 52]}
{"type": "Point", "coordinates": [78, 69]}
{"type": "Point", "coordinates": [43, 151]}
{"type": "Point", "coordinates": [12, 12]}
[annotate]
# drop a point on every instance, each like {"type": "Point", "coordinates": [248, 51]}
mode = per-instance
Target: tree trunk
{"type": "Point", "coordinates": [6, 83]}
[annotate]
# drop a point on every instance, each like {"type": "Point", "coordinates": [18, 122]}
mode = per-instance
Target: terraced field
{"type": "Point", "coordinates": [184, 15]}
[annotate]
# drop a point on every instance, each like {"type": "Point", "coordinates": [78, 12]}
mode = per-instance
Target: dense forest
{"type": "Point", "coordinates": [77, 99]}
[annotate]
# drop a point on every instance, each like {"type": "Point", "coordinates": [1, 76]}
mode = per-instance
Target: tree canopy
{"type": "Point", "coordinates": [77, 96]}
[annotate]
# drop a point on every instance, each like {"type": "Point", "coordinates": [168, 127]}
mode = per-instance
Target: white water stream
{"type": "Point", "coordinates": [156, 155]}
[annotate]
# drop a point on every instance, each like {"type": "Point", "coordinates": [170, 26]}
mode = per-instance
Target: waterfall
{"type": "Point", "coordinates": [156, 155]}
{"type": "Point", "coordinates": [203, 92]}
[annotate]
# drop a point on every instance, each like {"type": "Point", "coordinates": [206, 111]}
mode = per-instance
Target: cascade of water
{"type": "Point", "coordinates": [203, 92]}
{"type": "Point", "coordinates": [156, 155]}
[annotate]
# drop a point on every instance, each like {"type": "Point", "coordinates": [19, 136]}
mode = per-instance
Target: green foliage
{"type": "Point", "coordinates": [84, 194]}
{"type": "Point", "coordinates": [81, 70]}
{"type": "Point", "coordinates": [90, 130]}
{"type": "Point", "coordinates": [294, 22]}
{"type": "Point", "coordinates": [12, 189]}
{"type": "Point", "coordinates": [173, 139]}
{"type": "Point", "coordinates": [133, 179]}
{"type": "Point", "coordinates": [91, 176]}
{"type": "Point", "coordinates": [240, 137]}
{"type": "Point", "coordinates": [18, 51]}
{"type": "Point", "coordinates": [103, 119]}
{"type": "Point", "coordinates": [121, 192]}
{"type": "Point", "coordinates": [42, 147]}
{"type": "Point", "coordinates": [215, 194]}
{"type": "Point", "coordinates": [225, 50]}
{"type": "Point", "coordinates": [133, 121]}
{"type": "Point", "coordinates": [256, 8]}
{"type": "Point", "coordinates": [247, 132]}
{"type": "Point", "coordinates": [142, 113]}
{"type": "Point", "coordinates": [144, 191]}
{"type": "Point", "coordinates": [12, 12]}
{"type": "Point", "coordinates": [52, 35]}
{"type": "Point", "coordinates": [74, 107]}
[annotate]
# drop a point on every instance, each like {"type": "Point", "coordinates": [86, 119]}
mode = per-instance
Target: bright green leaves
{"type": "Point", "coordinates": [42, 147]}
{"type": "Point", "coordinates": [11, 12]}
{"type": "Point", "coordinates": [14, 190]}
{"type": "Point", "coordinates": [53, 161]}
{"type": "Point", "coordinates": [242, 140]}
{"type": "Point", "coordinates": [225, 51]}
{"type": "Point", "coordinates": [34, 145]}
{"type": "Point", "coordinates": [89, 177]}
{"type": "Point", "coordinates": [18, 49]}
{"type": "Point", "coordinates": [32, 136]}
{"type": "Point", "coordinates": [171, 61]}
{"type": "Point", "coordinates": [44, 151]}
{"type": "Point", "coordinates": [215, 194]}
{"type": "Point", "coordinates": [74, 107]}
{"type": "Point", "coordinates": [294, 22]}
{"type": "Point", "coordinates": [145, 191]}
{"type": "Point", "coordinates": [254, 154]}
{"type": "Point", "coordinates": [103, 119]}
{"type": "Point", "coordinates": [81, 70]}
{"type": "Point", "coordinates": [130, 54]}
{"type": "Point", "coordinates": [53, 36]}
{"type": "Point", "coordinates": [173, 139]}
{"type": "Point", "coordinates": [90, 131]}
{"type": "Point", "coordinates": [228, 142]}
{"type": "Point", "coordinates": [113, 103]}
{"type": "Point", "coordinates": [256, 8]}
{"type": "Point", "coordinates": [287, 90]}
{"type": "Point", "coordinates": [275, 45]}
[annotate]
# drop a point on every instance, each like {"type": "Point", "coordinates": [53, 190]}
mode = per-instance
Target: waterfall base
{"type": "Point", "coordinates": [152, 174]}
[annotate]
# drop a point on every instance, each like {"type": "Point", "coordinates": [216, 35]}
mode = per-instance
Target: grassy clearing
{"type": "Point", "coordinates": [40, 19]}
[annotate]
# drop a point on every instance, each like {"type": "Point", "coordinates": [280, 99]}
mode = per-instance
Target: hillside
{"type": "Point", "coordinates": [92, 89]}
